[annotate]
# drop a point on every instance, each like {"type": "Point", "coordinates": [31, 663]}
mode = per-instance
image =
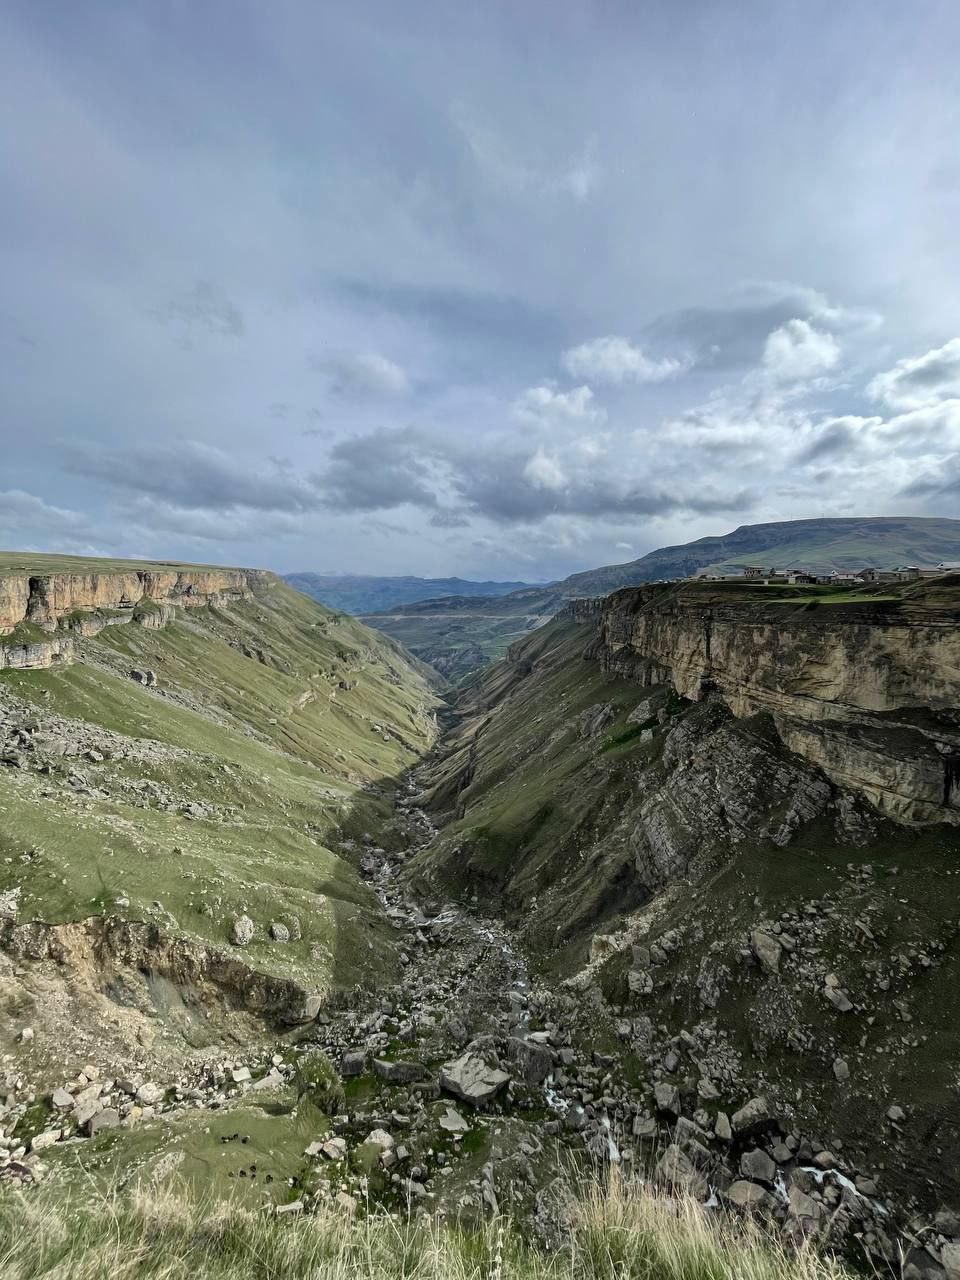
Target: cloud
{"type": "Point", "coordinates": [27, 519]}
{"type": "Point", "coordinates": [920, 380]}
{"type": "Point", "coordinates": [494, 479]}
{"type": "Point", "coordinates": [448, 520]}
{"type": "Point", "coordinates": [544, 472]}
{"type": "Point", "coordinates": [836, 437]}
{"type": "Point", "coordinates": [615, 359]}
{"type": "Point", "coordinates": [546, 406]}
{"type": "Point", "coordinates": [381, 470]}
{"type": "Point", "coordinates": [943, 483]}
{"type": "Point", "coordinates": [362, 374]}
{"type": "Point", "coordinates": [797, 351]}
{"type": "Point", "coordinates": [194, 476]}
{"type": "Point", "coordinates": [145, 514]}
{"type": "Point", "coordinates": [733, 333]}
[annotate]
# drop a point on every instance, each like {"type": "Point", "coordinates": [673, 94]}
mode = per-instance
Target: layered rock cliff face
{"type": "Point", "coordinates": [85, 603]}
{"type": "Point", "coordinates": [868, 691]}
{"type": "Point", "coordinates": [46, 600]}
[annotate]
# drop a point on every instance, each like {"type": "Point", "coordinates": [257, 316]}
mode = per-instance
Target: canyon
{"type": "Point", "coordinates": [684, 850]}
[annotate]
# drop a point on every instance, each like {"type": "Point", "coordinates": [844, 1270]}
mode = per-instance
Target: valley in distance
{"type": "Point", "coordinates": [468, 907]}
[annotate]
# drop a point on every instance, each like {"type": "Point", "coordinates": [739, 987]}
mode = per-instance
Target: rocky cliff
{"type": "Point", "coordinates": [869, 691]}
{"type": "Point", "coordinates": [47, 599]}
{"type": "Point", "coordinates": [85, 602]}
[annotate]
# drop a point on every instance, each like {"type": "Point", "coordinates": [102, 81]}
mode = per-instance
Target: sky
{"type": "Point", "coordinates": [503, 290]}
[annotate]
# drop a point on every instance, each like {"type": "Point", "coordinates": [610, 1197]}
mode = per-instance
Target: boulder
{"type": "Point", "coordinates": [667, 1098]}
{"type": "Point", "coordinates": [399, 1072]}
{"type": "Point", "coordinates": [802, 1205]}
{"type": "Point", "coordinates": [758, 1167]}
{"type": "Point", "coordinates": [312, 1006]}
{"type": "Point", "coordinates": [108, 1118]}
{"type": "Point", "coordinates": [453, 1122]}
{"type": "Point", "coordinates": [535, 1060]}
{"type": "Point", "coordinates": [767, 950]}
{"type": "Point", "coordinates": [346, 1203]}
{"type": "Point", "coordinates": [380, 1138]}
{"type": "Point", "coordinates": [839, 999]}
{"type": "Point", "coordinates": [753, 1117]}
{"type": "Point", "coordinates": [40, 1141]}
{"type": "Point", "coordinates": [86, 1105]}
{"type": "Point", "coordinates": [639, 982]}
{"type": "Point", "coordinates": [471, 1080]}
{"type": "Point", "coordinates": [242, 932]}
{"type": "Point", "coordinates": [353, 1063]}
{"type": "Point", "coordinates": [748, 1196]}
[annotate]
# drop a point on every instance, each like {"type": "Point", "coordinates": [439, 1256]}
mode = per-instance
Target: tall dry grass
{"type": "Point", "coordinates": [622, 1231]}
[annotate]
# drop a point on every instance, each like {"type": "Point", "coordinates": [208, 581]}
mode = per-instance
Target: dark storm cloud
{"type": "Point", "coordinates": [382, 470]}
{"type": "Point", "coordinates": [196, 476]}
{"type": "Point", "coordinates": [840, 438]}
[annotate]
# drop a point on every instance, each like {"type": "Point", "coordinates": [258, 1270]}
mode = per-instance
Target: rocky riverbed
{"type": "Point", "coordinates": [474, 1084]}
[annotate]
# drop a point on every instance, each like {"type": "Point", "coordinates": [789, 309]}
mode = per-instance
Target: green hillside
{"type": "Point", "coordinates": [240, 785]}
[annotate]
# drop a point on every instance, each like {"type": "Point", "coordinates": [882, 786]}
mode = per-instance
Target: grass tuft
{"type": "Point", "coordinates": [623, 1231]}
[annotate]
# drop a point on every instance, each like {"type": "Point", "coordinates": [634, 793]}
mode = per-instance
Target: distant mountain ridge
{"type": "Point", "coordinates": [460, 633]}
{"type": "Point", "coordinates": [368, 593]}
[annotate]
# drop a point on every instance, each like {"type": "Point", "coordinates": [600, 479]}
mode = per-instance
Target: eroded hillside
{"type": "Point", "coordinates": [732, 828]}
{"type": "Point", "coordinates": [191, 762]}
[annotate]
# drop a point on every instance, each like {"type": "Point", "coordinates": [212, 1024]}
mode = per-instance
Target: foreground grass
{"type": "Point", "coordinates": [623, 1233]}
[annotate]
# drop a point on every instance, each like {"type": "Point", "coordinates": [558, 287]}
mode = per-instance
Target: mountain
{"type": "Point", "coordinates": [460, 634]}
{"type": "Point", "coordinates": [363, 593]}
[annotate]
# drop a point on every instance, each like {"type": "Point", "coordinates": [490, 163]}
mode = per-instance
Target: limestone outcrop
{"type": "Point", "coordinates": [38, 654]}
{"type": "Point", "coordinates": [67, 605]}
{"type": "Point", "coordinates": [868, 691]}
{"type": "Point", "coordinates": [48, 599]}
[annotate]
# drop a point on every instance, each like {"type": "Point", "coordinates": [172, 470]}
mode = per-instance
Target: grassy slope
{"type": "Point", "coordinates": [481, 630]}
{"type": "Point", "coordinates": [625, 1233]}
{"type": "Point", "coordinates": [282, 783]}
{"type": "Point", "coordinates": [536, 790]}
